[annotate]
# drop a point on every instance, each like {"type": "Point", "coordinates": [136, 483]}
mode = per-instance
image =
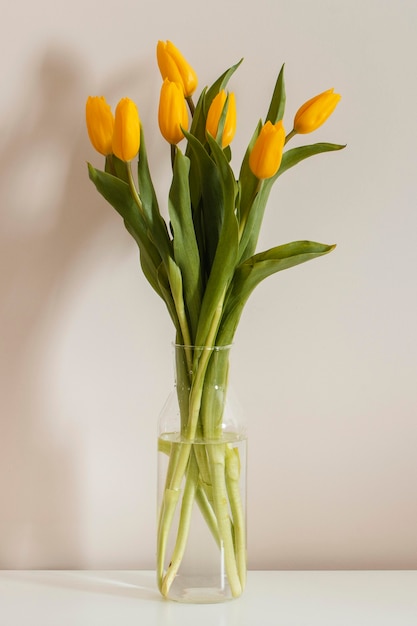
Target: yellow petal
{"type": "Point", "coordinates": [313, 113]}
{"type": "Point", "coordinates": [100, 124]}
{"type": "Point", "coordinates": [175, 67]}
{"type": "Point", "coordinates": [172, 113]}
{"type": "Point", "coordinates": [126, 137]}
{"type": "Point", "coordinates": [266, 155]}
{"type": "Point", "coordinates": [215, 112]}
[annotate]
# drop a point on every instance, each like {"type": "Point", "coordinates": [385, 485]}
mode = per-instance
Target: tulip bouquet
{"type": "Point", "coordinates": [203, 263]}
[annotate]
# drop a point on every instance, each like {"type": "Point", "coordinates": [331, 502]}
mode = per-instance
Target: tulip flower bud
{"type": "Point", "coordinates": [266, 155]}
{"type": "Point", "coordinates": [100, 124]}
{"type": "Point", "coordinates": [315, 112]}
{"type": "Point", "coordinates": [173, 66]}
{"type": "Point", "coordinates": [172, 113]}
{"type": "Point", "coordinates": [214, 114]}
{"type": "Point", "coordinates": [126, 136]}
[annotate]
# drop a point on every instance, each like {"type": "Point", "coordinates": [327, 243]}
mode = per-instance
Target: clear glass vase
{"type": "Point", "coordinates": [201, 538]}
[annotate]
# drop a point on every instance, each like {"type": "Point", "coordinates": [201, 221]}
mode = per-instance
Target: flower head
{"type": "Point", "coordinates": [173, 66]}
{"type": "Point", "coordinates": [100, 124]}
{"type": "Point", "coordinates": [266, 155]}
{"type": "Point", "coordinates": [172, 113]}
{"type": "Point", "coordinates": [315, 112]}
{"type": "Point", "coordinates": [215, 113]}
{"type": "Point", "coordinates": [126, 136]}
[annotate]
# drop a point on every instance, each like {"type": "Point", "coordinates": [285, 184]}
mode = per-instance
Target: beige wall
{"type": "Point", "coordinates": [325, 359]}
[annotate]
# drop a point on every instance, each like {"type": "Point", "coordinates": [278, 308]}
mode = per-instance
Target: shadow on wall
{"type": "Point", "coordinates": [49, 214]}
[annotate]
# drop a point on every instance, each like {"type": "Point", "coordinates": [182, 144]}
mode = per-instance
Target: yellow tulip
{"type": "Point", "coordinates": [214, 115]}
{"type": "Point", "coordinates": [100, 124]}
{"type": "Point", "coordinates": [126, 136]}
{"type": "Point", "coordinates": [266, 155]}
{"type": "Point", "coordinates": [172, 113]}
{"type": "Point", "coordinates": [315, 112]}
{"type": "Point", "coordinates": [173, 66]}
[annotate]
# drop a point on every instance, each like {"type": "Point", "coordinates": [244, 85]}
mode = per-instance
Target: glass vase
{"type": "Point", "coordinates": [201, 538]}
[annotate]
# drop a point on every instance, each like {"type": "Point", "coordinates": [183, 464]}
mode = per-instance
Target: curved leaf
{"type": "Point", "coordinates": [117, 194]}
{"type": "Point", "coordinates": [277, 107]}
{"type": "Point", "coordinates": [207, 199]}
{"type": "Point", "coordinates": [198, 126]}
{"type": "Point", "coordinates": [218, 85]}
{"type": "Point", "coordinates": [290, 158]}
{"type": "Point", "coordinates": [186, 251]}
{"type": "Point", "coordinates": [250, 273]}
{"type": "Point", "coordinates": [155, 221]}
{"type": "Point", "coordinates": [225, 259]}
{"type": "Point", "coordinates": [247, 180]}
{"type": "Point", "coordinates": [296, 155]}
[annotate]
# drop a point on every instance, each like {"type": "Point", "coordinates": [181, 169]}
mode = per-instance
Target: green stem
{"type": "Point", "coordinates": [178, 300]}
{"type": "Point", "coordinates": [205, 481]}
{"type": "Point", "coordinates": [206, 509]}
{"type": "Point", "coordinates": [220, 501]}
{"type": "Point", "coordinates": [173, 152]}
{"type": "Point", "coordinates": [191, 105]}
{"type": "Point", "coordinates": [133, 189]}
{"type": "Point", "coordinates": [204, 494]}
{"type": "Point", "coordinates": [236, 508]}
{"type": "Point", "coordinates": [175, 473]}
{"type": "Point", "coordinates": [168, 506]}
{"type": "Point", "coordinates": [198, 381]}
{"type": "Point", "coordinates": [181, 315]}
{"type": "Point", "coordinates": [183, 526]}
{"type": "Point", "coordinates": [244, 218]}
{"type": "Point", "coordinates": [290, 136]}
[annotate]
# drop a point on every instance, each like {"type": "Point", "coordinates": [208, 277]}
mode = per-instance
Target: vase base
{"type": "Point", "coordinates": [194, 590]}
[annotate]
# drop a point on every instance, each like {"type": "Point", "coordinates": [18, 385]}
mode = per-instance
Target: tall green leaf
{"type": "Point", "coordinates": [118, 195]}
{"type": "Point", "coordinates": [255, 269]}
{"type": "Point", "coordinates": [226, 253]}
{"type": "Point", "coordinates": [186, 251]}
{"type": "Point", "coordinates": [198, 127]}
{"type": "Point", "coordinates": [290, 158]}
{"type": "Point", "coordinates": [277, 106]}
{"type": "Point", "coordinates": [248, 180]}
{"type": "Point", "coordinates": [155, 221]}
{"type": "Point", "coordinates": [207, 198]}
{"type": "Point", "coordinates": [296, 155]}
{"type": "Point", "coordinates": [218, 85]}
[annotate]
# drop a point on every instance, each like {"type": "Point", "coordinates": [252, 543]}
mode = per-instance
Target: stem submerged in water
{"type": "Point", "coordinates": [203, 469]}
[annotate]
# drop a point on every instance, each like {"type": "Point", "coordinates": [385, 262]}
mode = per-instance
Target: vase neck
{"type": "Point", "coordinates": [208, 365]}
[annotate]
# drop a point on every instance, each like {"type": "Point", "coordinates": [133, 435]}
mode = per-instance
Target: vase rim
{"type": "Point", "coordinates": [201, 348]}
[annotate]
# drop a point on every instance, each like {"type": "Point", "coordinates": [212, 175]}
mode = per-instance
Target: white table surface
{"type": "Point", "coordinates": [127, 598]}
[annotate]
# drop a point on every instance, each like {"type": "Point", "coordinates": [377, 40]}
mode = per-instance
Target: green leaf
{"type": "Point", "coordinates": [218, 85]}
{"type": "Point", "coordinates": [155, 221]}
{"type": "Point", "coordinates": [247, 180]}
{"type": "Point", "coordinates": [255, 211]}
{"type": "Point", "coordinates": [186, 251]}
{"type": "Point", "coordinates": [226, 253]}
{"type": "Point", "coordinates": [227, 177]}
{"type": "Point", "coordinates": [165, 289]}
{"type": "Point", "coordinates": [277, 107]}
{"type": "Point", "coordinates": [255, 215]}
{"type": "Point", "coordinates": [177, 291]}
{"type": "Point", "coordinates": [117, 194]}
{"type": "Point", "coordinates": [255, 269]}
{"type": "Point", "coordinates": [207, 199]}
{"type": "Point", "coordinates": [198, 126]}
{"type": "Point", "coordinates": [296, 155]}
{"type": "Point", "coordinates": [117, 167]}
{"type": "Point", "coordinates": [146, 187]}
{"type": "Point", "coordinates": [222, 121]}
